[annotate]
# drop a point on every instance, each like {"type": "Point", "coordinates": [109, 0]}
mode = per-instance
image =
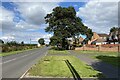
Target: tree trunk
{"type": "Point", "coordinates": [63, 43]}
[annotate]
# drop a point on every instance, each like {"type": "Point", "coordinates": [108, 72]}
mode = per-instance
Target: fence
{"type": "Point", "coordinates": [105, 47]}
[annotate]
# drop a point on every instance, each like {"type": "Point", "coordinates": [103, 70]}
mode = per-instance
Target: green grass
{"type": "Point", "coordinates": [108, 57]}
{"type": "Point", "coordinates": [55, 66]}
{"type": "Point", "coordinates": [97, 53]}
{"type": "Point", "coordinates": [14, 52]}
{"type": "Point", "coordinates": [58, 52]}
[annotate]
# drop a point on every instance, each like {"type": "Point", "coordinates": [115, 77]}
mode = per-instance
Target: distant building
{"type": "Point", "coordinates": [80, 40]}
{"type": "Point", "coordinates": [72, 40]}
{"type": "Point", "coordinates": [38, 45]}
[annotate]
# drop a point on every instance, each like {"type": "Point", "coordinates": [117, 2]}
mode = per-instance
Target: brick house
{"type": "Point", "coordinates": [98, 39]}
{"type": "Point", "coordinates": [72, 40]}
{"type": "Point", "coordinates": [80, 40]}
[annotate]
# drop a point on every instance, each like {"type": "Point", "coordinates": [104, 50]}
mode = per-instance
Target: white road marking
{"type": "Point", "coordinates": [9, 60]}
{"type": "Point", "coordinates": [24, 55]}
{"type": "Point", "coordinates": [29, 68]}
{"type": "Point", "coordinates": [15, 58]}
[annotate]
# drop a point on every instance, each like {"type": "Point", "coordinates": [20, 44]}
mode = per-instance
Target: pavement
{"type": "Point", "coordinates": [14, 66]}
{"type": "Point", "coordinates": [108, 70]}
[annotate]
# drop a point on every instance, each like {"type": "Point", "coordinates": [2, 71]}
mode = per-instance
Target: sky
{"type": "Point", "coordinates": [24, 21]}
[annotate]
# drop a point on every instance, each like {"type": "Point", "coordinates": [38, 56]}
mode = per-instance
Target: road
{"type": "Point", "coordinates": [14, 66]}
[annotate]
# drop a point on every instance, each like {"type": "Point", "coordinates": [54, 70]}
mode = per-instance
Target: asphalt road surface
{"type": "Point", "coordinates": [14, 66]}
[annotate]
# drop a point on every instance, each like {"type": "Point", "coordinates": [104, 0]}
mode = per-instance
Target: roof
{"type": "Point", "coordinates": [95, 36]}
{"type": "Point", "coordinates": [103, 35]}
{"type": "Point", "coordinates": [81, 39]}
{"type": "Point", "coordinates": [100, 40]}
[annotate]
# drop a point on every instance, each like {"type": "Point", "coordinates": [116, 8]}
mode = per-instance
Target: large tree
{"type": "Point", "coordinates": [113, 29]}
{"type": "Point", "coordinates": [41, 41]}
{"type": "Point", "coordinates": [64, 23]}
{"type": "Point", "coordinates": [54, 40]}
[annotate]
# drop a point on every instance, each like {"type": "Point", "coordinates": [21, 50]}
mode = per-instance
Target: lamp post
{"type": "Point", "coordinates": [118, 40]}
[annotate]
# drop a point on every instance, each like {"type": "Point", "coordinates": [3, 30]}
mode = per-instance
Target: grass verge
{"type": "Point", "coordinates": [55, 66]}
{"type": "Point", "coordinates": [58, 52]}
{"type": "Point", "coordinates": [14, 52]}
{"type": "Point", "coordinates": [97, 53]}
{"type": "Point", "coordinates": [108, 57]}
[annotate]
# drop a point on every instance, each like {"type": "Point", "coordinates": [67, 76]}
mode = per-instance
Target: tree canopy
{"type": "Point", "coordinates": [1, 41]}
{"type": "Point", "coordinates": [114, 35]}
{"type": "Point", "coordinates": [113, 29]}
{"type": "Point", "coordinates": [64, 23]}
{"type": "Point", "coordinates": [54, 40]}
{"type": "Point", "coordinates": [41, 41]}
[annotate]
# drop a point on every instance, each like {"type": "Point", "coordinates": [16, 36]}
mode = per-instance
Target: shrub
{"type": "Point", "coordinates": [8, 47]}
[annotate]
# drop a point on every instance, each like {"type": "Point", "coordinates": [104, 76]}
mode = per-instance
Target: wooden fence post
{"type": "Point", "coordinates": [83, 47]}
{"type": "Point", "coordinates": [99, 48]}
{"type": "Point", "coordinates": [118, 48]}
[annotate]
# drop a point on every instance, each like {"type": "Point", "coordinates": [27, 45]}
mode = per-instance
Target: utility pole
{"type": "Point", "coordinates": [30, 41]}
{"type": "Point", "coordinates": [118, 40]}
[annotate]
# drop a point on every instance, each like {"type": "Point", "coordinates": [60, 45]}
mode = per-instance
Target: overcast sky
{"type": "Point", "coordinates": [22, 21]}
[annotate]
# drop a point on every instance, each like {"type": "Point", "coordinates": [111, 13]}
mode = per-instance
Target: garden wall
{"type": "Point", "coordinates": [105, 47]}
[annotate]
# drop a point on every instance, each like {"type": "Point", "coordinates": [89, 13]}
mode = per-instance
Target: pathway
{"type": "Point", "coordinates": [108, 70]}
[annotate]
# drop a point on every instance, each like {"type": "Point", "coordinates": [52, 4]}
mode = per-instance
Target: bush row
{"type": "Point", "coordinates": [8, 48]}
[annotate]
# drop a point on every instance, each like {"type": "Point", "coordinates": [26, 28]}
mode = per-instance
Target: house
{"type": "Point", "coordinates": [70, 40]}
{"type": "Point", "coordinates": [94, 38]}
{"type": "Point", "coordinates": [80, 40]}
{"type": "Point", "coordinates": [98, 39]}
{"type": "Point", "coordinates": [38, 45]}
{"type": "Point", "coordinates": [103, 36]}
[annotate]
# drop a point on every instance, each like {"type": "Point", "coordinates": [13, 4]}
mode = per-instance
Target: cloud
{"type": "Point", "coordinates": [35, 12]}
{"type": "Point", "coordinates": [24, 30]}
{"type": "Point", "coordinates": [6, 18]}
{"type": "Point", "coordinates": [26, 26]}
{"type": "Point", "coordinates": [99, 16]}
{"type": "Point", "coordinates": [8, 25]}
{"type": "Point", "coordinates": [25, 36]}
{"type": "Point", "coordinates": [8, 37]}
